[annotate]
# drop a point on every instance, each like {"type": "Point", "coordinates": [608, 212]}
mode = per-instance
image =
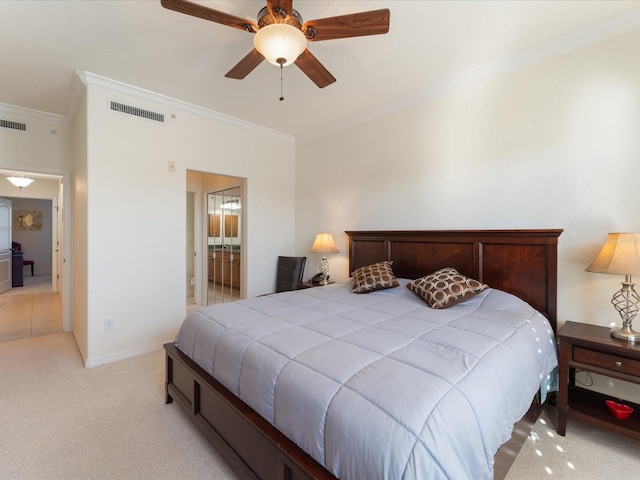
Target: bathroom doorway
{"type": "Point", "coordinates": [215, 237]}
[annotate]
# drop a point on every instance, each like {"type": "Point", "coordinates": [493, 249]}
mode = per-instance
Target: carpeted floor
{"type": "Point", "coordinates": [584, 453]}
{"type": "Point", "coordinates": [59, 420]}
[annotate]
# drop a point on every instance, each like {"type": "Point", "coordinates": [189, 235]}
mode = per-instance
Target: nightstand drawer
{"type": "Point", "coordinates": [610, 362]}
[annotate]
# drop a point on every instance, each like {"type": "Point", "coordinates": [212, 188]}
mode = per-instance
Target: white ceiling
{"type": "Point", "coordinates": [142, 44]}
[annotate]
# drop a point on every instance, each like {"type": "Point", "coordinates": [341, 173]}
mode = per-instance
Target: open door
{"type": "Point", "coordinates": [5, 245]}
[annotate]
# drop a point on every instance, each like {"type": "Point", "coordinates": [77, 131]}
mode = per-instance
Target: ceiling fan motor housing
{"type": "Point", "coordinates": [265, 17]}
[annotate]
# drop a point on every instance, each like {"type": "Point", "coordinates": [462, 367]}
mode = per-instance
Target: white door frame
{"type": "Point", "coordinates": [199, 259]}
{"type": "Point", "coordinates": [66, 280]}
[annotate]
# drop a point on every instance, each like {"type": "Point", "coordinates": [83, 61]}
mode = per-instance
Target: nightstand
{"type": "Point", "coordinates": [591, 348]}
{"type": "Point", "coordinates": [309, 284]}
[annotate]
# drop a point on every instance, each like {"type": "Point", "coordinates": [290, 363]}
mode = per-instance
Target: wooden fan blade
{"type": "Point", "coordinates": [375, 22]}
{"type": "Point", "coordinates": [206, 13]}
{"type": "Point", "coordinates": [313, 69]}
{"type": "Point", "coordinates": [245, 66]}
{"type": "Point", "coordinates": [285, 5]}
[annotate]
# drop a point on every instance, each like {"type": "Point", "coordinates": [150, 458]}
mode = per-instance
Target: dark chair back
{"type": "Point", "coordinates": [290, 271]}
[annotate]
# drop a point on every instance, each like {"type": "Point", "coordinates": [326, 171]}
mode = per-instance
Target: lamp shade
{"type": "Point", "coordinates": [280, 41]}
{"type": "Point", "coordinates": [324, 244]}
{"type": "Point", "coordinates": [620, 255]}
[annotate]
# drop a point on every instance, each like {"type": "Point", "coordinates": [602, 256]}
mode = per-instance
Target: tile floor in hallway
{"type": "Point", "coordinates": [31, 310]}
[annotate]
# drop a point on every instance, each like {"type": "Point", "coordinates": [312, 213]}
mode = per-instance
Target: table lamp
{"type": "Point", "coordinates": [324, 244]}
{"type": "Point", "coordinates": [620, 255]}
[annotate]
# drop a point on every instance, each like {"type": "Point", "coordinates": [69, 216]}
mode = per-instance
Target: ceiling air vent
{"type": "Point", "coordinates": [138, 112]}
{"type": "Point", "coordinates": [13, 125]}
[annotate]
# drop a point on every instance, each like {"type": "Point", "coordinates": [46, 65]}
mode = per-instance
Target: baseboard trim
{"type": "Point", "coordinates": [115, 357]}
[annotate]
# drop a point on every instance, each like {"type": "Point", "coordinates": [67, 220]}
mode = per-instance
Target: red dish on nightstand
{"type": "Point", "coordinates": [619, 410]}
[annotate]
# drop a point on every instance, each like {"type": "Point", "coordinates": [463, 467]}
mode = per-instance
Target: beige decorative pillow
{"type": "Point", "coordinates": [445, 288]}
{"type": "Point", "coordinates": [373, 277]}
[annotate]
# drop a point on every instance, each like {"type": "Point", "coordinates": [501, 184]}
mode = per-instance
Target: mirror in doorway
{"type": "Point", "coordinates": [224, 245]}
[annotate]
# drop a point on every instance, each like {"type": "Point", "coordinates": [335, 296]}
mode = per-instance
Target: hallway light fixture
{"type": "Point", "coordinates": [20, 180]}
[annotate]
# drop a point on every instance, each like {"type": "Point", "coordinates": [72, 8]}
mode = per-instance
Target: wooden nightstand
{"type": "Point", "coordinates": [591, 348]}
{"type": "Point", "coordinates": [309, 284]}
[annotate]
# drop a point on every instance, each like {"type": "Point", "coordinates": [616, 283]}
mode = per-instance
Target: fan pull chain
{"type": "Point", "coordinates": [281, 61]}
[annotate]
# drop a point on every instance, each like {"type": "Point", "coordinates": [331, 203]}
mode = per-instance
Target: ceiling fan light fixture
{"type": "Point", "coordinates": [280, 44]}
{"type": "Point", "coordinates": [20, 181]}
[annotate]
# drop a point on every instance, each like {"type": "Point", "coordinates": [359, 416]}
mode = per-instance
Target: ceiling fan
{"type": "Point", "coordinates": [281, 36]}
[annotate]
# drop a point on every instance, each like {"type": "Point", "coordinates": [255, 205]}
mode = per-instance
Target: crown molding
{"type": "Point", "coordinates": [21, 113]}
{"type": "Point", "coordinates": [114, 86]}
{"type": "Point", "coordinates": [543, 51]}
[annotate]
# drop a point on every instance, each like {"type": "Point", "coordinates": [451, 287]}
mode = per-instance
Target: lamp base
{"type": "Point", "coordinates": [625, 333]}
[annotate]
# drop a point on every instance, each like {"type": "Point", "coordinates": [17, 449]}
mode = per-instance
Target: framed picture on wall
{"type": "Point", "coordinates": [27, 220]}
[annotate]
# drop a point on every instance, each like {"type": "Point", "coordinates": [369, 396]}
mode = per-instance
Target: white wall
{"type": "Point", "coordinates": [45, 146]}
{"type": "Point", "coordinates": [136, 212]}
{"type": "Point", "coordinates": [553, 145]}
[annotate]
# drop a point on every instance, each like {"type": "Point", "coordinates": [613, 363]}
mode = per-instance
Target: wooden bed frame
{"type": "Point", "coordinates": [522, 262]}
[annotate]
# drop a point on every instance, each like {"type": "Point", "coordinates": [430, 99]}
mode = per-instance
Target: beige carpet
{"type": "Point", "coordinates": [584, 453]}
{"type": "Point", "coordinates": [59, 420]}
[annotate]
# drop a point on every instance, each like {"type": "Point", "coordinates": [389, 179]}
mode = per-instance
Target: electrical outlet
{"type": "Point", "coordinates": [109, 323]}
{"type": "Point", "coordinates": [172, 166]}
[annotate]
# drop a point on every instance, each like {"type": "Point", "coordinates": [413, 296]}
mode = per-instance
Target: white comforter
{"type": "Point", "coordinates": [380, 385]}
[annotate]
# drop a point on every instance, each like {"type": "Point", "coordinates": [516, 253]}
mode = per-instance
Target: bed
{"type": "Point", "coordinates": [514, 263]}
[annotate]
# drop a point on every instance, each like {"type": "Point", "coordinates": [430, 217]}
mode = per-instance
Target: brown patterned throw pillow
{"type": "Point", "coordinates": [445, 288]}
{"type": "Point", "coordinates": [373, 277]}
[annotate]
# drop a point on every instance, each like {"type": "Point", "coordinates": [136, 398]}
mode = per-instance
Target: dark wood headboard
{"type": "Point", "coordinates": [521, 262]}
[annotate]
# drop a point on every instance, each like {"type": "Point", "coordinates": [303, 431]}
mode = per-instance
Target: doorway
{"type": "Point", "coordinates": [44, 291]}
{"type": "Point", "coordinates": [216, 233]}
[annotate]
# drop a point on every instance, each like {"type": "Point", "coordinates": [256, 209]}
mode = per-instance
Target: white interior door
{"type": "Point", "coordinates": [5, 245]}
